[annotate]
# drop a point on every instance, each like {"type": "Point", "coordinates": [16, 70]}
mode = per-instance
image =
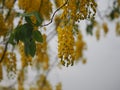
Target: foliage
{"type": "Point", "coordinates": [21, 29]}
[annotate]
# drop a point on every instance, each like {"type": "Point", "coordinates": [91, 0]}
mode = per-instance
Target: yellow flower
{"type": "Point", "coordinates": [84, 61]}
{"type": "Point", "coordinates": [59, 86]}
{"type": "Point", "coordinates": [59, 2]}
{"type": "Point", "coordinates": [66, 44]}
{"type": "Point", "coordinates": [46, 86]}
{"type": "Point", "coordinates": [97, 33]}
{"type": "Point", "coordinates": [9, 3]}
{"type": "Point", "coordinates": [24, 4]}
{"type": "Point", "coordinates": [3, 28]}
{"type": "Point", "coordinates": [79, 46]}
{"type": "Point", "coordinates": [42, 57]}
{"type": "Point", "coordinates": [21, 80]}
{"type": "Point", "coordinates": [45, 9]}
{"type": "Point", "coordinates": [25, 60]}
{"type": "Point", "coordinates": [118, 28]}
{"type": "Point", "coordinates": [105, 28]}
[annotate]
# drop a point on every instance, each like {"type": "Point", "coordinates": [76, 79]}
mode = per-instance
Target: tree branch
{"type": "Point", "coordinates": [4, 52]}
{"type": "Point", "coordinates": [51, 20]}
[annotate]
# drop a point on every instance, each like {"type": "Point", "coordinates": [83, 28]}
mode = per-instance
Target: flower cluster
{"type": "Point", "coordinates": [3, 28]}
{"type": "Point", "coordinates": [43, 83]}
{"type": "Point", "coordinates": [65, 45]}
{"type": "Point", "coordinates": [105, 27]}
{"type": "Point", "coordinates": [118, 28]}
{"type": "Point", "coordinates": [42, 58]}
{"type": "Point", "coordinates": [87, 9]}
{"type": "Point", "coordinates": [21, 80]}
{"type": "Point", "coordinates": [73, 11]}
{"type": "Point", "coordinates": [25, 60]}
{"type": "Point", "coordinates": [44, 7]}
{"type": "Point", "coordinates": [9, 3]}
{"type": "Point", "coordinates": [10, 63]}
{"type": "Point", "coordinates": [80, 45]}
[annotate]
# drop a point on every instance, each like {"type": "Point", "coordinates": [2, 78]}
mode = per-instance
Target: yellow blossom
{"type": "Point", "coordinates": [45, 9]}
{"type": "Point", "coordinates": [65, 50]}
{"type": "Point", "coordinates": [105, 28]}
{"type": "Point", "coordinates": [59, 86]}
{"type": "Point", "coordinates": [25, 60]}
{"type": "Point", "coordinates": [118, 28]}
{"type": "Point", "coordinates": [21, 80]}
{"type": "Point", "coordinates": [3, 28]}
{"type": "Point", "coordinates": [97, 33]}
{"type": "Point", "coordinates": [79, 46]}
{"type": "Point", "coordinates": [9, 3]}
{"type": "Point", "coordinates": [84, 60]}
{"type": "Point", "coordinates": [24, 4]}
{"type": "Point", "coordinates": [59, 2]}
{"type": "Point", "coordinates": [42, 57]}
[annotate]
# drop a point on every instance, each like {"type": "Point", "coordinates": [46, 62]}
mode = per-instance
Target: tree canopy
{"type": "Point", "coordinates": [24, 36]}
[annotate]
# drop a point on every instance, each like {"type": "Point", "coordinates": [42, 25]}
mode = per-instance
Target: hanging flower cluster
{"type": "Point", "coordinates": [43, 83]}
{"type": "Point", "coordinates": [118, 28]}
{"type": "Point", "coordinates": [80, 46]}
{"type": "Point", "coordinates": [3, 28]}
{"type": "Point", "coordinates": [10, 63]}
{"type": "Point", "coordinates": [9, 3]}
{"type": "Point", "coordinates": [42, 58]}
{"type": "Point", "coordinates": [73, 11]}
{"type": "Point", "coordinates": [65, 44]}
{"type": "Point", "coordinates": [21, 78]}
{"type": "Point", "coordinates": [25, 60]}
{"type": "Point", "coordinates": [44, 7]}
{"type": "Point", "coordinates": [105, 27]}
{"type": "Point", "coordinates": [83, 9]}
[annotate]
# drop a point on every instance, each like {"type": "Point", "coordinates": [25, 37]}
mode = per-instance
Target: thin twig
{"type": "Point", "coordinates": [6, 45]}
{"type": "Point", "coordinates": [51, 20]}
{"type": "Point", "coordinates": [4, 52]}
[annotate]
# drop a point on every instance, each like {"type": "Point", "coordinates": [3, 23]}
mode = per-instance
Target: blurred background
{"type": "Point", "coordinates": [101, 70]}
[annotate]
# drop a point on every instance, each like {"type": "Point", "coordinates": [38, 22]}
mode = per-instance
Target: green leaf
{"type": "Point", "coordinates": [30, 47]}
{"type": "Point", "coordinates": [25, 14]}
{"type": "Point", "coordinates": [112, 15]}
{"type": "Point", "coordinates": [36, 14]}
{"type": "Point", "coordinates": [17, 35]}
{"type": "Point", "coordinates": [12, 39]}
{"type": "Point", "coordinates": [23, 32]}
{"type": "Point", "coordinates": [28, 20]}
{"type": "Point", "coordinates": [89, 29]}
{"type": "Point", "coordinates": [38, 17]}
{"type": "Point", "coordinates": [37, 36]}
